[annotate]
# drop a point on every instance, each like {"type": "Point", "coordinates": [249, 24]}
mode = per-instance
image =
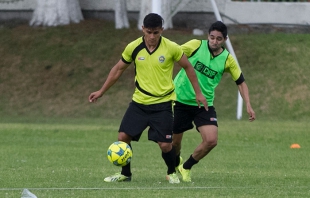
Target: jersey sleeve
{"type": "Point", "coordinates": [126, 55]}
{"type": "Point", "coordinates": [232, 67]}
{"type": "Point", "coordinates": [177, 51]}
{"type": "Point", "coordinates": [190, 47]}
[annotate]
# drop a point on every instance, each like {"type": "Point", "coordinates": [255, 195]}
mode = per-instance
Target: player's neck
{"type": "Point", "coordinates": [217, 52]}
{"type": "Point", "coordinates": [151, 48]}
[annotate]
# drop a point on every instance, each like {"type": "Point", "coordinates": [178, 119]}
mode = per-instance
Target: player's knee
{"type": "Point", "coordinates": [124, 137]}
{"type": "Point", "coordinates": [165, 147]}
{"type": "Point", "coordinates": [209, 144]}
{"type": "Point", "coordinates": [213, 144]}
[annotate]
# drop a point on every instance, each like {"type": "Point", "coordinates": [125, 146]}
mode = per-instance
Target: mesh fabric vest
{"type": "Point", "coordinates": [209, 71]}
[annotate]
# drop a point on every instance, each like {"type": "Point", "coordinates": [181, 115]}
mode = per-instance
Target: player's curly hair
{"type": "Point", "coordinates": [153, 20]}
{"type": "Point", "coordinates": [219, 26]}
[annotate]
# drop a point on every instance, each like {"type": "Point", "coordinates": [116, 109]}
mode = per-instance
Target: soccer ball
{"type": "Point", "coordinates": [119, 153]}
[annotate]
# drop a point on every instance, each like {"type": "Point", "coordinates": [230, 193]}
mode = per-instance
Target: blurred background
{"type": "Point", "coordinates": [54, 53]}
{"type": "Point", "coordinates": [179, 13]}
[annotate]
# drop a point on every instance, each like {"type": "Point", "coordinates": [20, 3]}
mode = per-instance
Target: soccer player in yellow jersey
{"type": "Point", "coordinates": [210, 60]}
{"type": "Point", "coordinates": [153, 56]}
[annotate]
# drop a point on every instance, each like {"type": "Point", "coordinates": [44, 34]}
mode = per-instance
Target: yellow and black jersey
{"type": "Point", "coordinates": [154, 70]}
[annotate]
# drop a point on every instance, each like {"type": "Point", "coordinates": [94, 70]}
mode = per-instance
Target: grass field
{"type": "Point", "coordinates": [53, 141]}
{"type": "Point", "coordinates": [67, 158]}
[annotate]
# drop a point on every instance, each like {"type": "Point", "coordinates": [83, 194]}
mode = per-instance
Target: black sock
{"type": "Point", "coordinates": [189, 163]}
{"type": "Point", "coordinates": [177, 160]}
{"type": "Point", "coordinates": [169, 159]}
{"type": "Point", "coordinates": [126, 170]}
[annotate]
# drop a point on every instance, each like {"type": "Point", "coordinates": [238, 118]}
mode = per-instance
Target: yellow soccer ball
{"type": "Point", "coordinates": [119, 153]}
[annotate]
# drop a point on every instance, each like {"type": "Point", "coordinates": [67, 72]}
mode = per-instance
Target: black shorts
{"type": "Point", "coordinates": [158, 117]}
{"type": "Point", "coordinates": [185, 115]}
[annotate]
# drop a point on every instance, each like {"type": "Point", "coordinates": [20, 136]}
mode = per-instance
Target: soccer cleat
{"type": "Point", "coordinates": [173, 178]}
{"type": "Point", "coordinates": [117, 177]}
{"type": "Point", "coordinates": [177, 167]}
{"type": "Point", "coordinates": [186, 173]}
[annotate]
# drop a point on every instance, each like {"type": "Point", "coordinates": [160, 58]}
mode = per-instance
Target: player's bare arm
{"type": "Point", "coordinates": [244, 91]}
{"type": "Point", "coordinates": [190, 72]}
{"type": "Point", "coordinates": [113, 76]}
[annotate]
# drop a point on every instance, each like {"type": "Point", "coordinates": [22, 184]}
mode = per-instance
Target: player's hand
{"type": "Point", "coordinates": [201, 99]}
{"type": "Point", "coordinates": [93, 97]}
{"type": "Point", "coordinates": [251, 114]}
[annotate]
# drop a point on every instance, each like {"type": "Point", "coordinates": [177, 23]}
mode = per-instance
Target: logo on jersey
{"type": "Point", "coordinates": [141, 58]}
{"type": "Point", "coordinates": [205, 70]}
{"type": "Point", "coordinates": [161, 59]}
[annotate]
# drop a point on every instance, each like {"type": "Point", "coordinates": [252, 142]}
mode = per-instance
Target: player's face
{"type": "Point", "coordinates": [152, 35]}
{"type": "Point", "coordinates": [216, 40]}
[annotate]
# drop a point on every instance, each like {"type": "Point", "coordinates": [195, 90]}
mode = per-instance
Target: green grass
{"type": "Point", "coordinates": [53, 141]}
{"type": "Point", "coordinates": [67, 158]}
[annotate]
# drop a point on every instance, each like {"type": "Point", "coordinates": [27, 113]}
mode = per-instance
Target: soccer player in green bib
{"type": "Point", "coordinates": [210, 60]}
{"type": "Point", "coordinates": [152, 103]}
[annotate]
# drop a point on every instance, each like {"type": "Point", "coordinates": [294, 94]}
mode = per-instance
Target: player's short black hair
{"type": "Point", "coordinates": [219, 26]}
{"type": "Point", "coordinates": [153, 20]}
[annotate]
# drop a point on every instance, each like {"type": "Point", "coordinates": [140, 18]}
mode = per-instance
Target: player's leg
{"type": "Point", "coordinates": [206, 123]}
{"type": "Point", "coordinates": [122, 136]}
{"type": "Point", "coordinates": [131, 128]}
{"type": "Point", "coordinates": [161, 122]}
{"type": "Point", "coordinates": [209, 135]}
{"type": "Point", "coordinates": [177, 145]}
{"type": "Point", "coordinates": [168, 154]}
{"type": "Point", "coordinates": [126, 170]}
{"type": "Point", "coordinates": [177, 142]}
{"type": "Point", "coordinates": [183, 118]}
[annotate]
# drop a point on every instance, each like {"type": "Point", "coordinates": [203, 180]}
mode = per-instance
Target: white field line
{"type": "Point", "coordinates": [148, 188]}
{"type": "Point", "coordinates": [122, 188]}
